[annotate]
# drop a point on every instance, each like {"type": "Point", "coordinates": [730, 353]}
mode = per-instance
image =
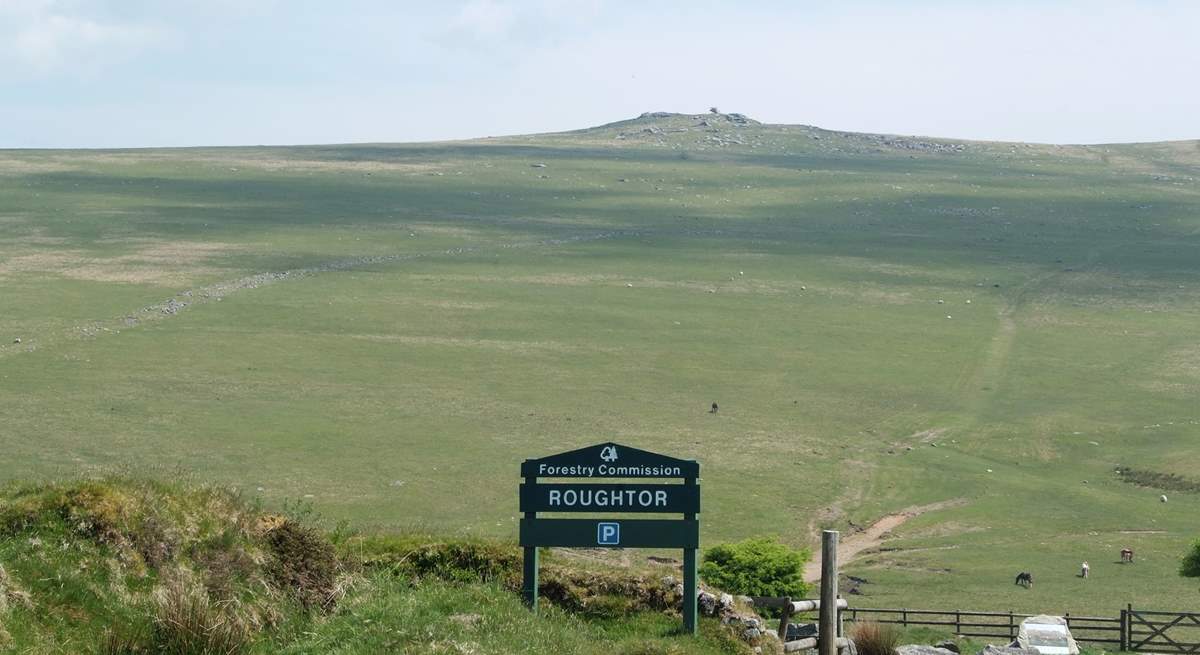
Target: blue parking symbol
{"type": "Point", "coordinates": [608, 534]}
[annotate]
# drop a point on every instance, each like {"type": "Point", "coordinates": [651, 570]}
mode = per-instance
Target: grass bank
{"type": "Point", "coordinates": [118, 566]}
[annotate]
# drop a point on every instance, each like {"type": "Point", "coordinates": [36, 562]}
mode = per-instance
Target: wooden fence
{"type": "Point", "coordinates": [1132, 630]}
{"type": "Point", "coordinates": [1161, 632]}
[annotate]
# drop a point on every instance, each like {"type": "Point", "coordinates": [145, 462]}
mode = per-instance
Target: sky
{"type": "Point", "coordinates": [135, 73]}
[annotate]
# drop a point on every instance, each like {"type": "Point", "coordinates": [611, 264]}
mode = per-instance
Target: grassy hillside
{"type": "Point", "coordinates": [385, 331]}
{"type": "Point", "coordinates": [126, 567]}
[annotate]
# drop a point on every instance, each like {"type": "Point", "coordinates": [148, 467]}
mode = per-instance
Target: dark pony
{"type": "Point", "coordinates": [1025, 579]}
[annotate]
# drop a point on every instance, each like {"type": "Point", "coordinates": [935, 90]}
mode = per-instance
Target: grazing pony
{"type": "Point", "coordinates": [1126, 555]}
{"type": "Point", "coordinates": [1025, 579]}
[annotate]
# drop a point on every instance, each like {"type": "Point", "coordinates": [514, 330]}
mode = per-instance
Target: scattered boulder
{"type": "Point", "coordinates": [537, 165]}
{"type": "Point", "coordinates": [922, 649]}
{"type": "Point", "coordinates": [706, 603]}
{"type": "Point", "coordinates": [725, 603]}
{"type": "Point", "coordinates": [949, 645]}
{"type": "Point", "coordinates": [172, 306]}
{"type": "Point", "coordinates": [1008, 650]}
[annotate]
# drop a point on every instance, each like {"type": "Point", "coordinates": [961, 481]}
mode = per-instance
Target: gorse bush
{"type": "Point", "coordinates": [1190, 566]}
{"type": "Point", "coordinates": [756, 567]}
{"type": "Point", "coordinates": [871, 638]}
{"type": "Point", "coordinates": [304, 563]}
{"type": "Point", "coordinates": [1158, 480]}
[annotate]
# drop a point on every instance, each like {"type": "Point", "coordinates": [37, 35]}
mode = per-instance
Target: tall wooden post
{"type": "Point", "coordinates": [690, 624]}
{"type": "Point", "coordinates": [529, 583]}
{"type": "Point", "coordinates": [1127, 626]}
{"type": "Point", "coordinates": [828, 628]}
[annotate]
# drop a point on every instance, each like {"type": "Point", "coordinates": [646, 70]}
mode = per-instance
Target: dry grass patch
{"type": "Point", "coordinates": [871, 638]}
{"type": "Point", "coordinates": [484, 344]}
{"type": "Point", "coordinates": [164, 263]}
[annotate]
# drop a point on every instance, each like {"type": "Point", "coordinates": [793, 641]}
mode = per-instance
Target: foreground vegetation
{"type": "Point", "coordinates": [122, 567]}
{"type": "Point", "coordinates": [386, 331]}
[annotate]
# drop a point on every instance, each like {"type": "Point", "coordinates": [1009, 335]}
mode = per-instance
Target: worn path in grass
{"type": "Point", "coordinates": [873, 536]}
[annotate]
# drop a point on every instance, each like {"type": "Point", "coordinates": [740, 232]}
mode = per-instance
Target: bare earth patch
{"type": "Point", "coordinates": [873, 536]}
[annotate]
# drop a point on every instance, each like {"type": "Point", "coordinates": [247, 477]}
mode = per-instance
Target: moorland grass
{"type": "Point", "coordinates": [1023, 317]}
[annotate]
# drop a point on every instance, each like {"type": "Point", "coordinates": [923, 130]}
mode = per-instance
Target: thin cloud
{"type": "Point", "coordinates": [489, 22]}
{"type": "Point", "coordinates": [41, 37]}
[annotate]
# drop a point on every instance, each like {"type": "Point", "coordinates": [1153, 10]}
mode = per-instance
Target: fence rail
{"type": "Point", "coordinates": [1152, 631]}
{"type": "Point", "coordinates": [1103, 630]}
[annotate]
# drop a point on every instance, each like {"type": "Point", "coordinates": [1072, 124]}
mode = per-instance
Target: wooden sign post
{"type": "Point", "coordinates": [602, 462]}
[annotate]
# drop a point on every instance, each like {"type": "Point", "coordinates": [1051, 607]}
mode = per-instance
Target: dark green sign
{"type": "Point", "coordinates": [598, 498]}
{"type": "Point", "coordinates": [609, 460]}
{"type": "Point", "coordinates": [606, 461]}
{"type": "Point", "coordinates": [611, 533]}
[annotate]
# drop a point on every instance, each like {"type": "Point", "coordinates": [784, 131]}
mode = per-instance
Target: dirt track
{"type": "Point", "coordinates": [853, 544]}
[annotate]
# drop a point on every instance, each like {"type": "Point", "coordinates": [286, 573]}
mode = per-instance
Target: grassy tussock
{"type": "Point", "coordinates": [182, 569]}
{"type": "Point", "coordinates": [871, 638]}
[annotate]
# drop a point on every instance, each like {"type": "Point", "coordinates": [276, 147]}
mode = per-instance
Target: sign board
{"type": "Point", "coordinates": [1050, 635]}
{"type": "Point", "coordinates": [635, 533]}
{"type": "Point", "coordinates": [604, 462]}
{"type": "Point", "coordinates": [609, 460]}
{"type": "Point", "coordinates": [594, 498]}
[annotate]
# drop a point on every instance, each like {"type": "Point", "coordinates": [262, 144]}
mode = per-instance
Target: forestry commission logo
{"type": "Point", "coordinates": [609, 454]}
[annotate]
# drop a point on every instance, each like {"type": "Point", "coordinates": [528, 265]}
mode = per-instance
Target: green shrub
{"type": "Point", "coordinates": [1190, 566]}
{"type": "Point", "coordinates": [756, 567]}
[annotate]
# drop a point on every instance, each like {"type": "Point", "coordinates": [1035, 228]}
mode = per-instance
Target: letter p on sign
{"type": "Point", "coordinates": [608, 534]}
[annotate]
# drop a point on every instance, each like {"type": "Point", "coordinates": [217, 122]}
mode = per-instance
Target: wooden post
{"type": "Point", "coordinates": [690, 624]}
{"type": "Point", "coordinates": [957, 622]}
{"type": "Point", "coordinates": [784, 618]}
{"type": "Point", "coordinates": [1127, 626]}
{"type": "Point", "coordinates": [1122, 630]}
{"type": "Point", "coordinates": [827, 630]}
{"type": "Point", "coordinates": [1012, 628]}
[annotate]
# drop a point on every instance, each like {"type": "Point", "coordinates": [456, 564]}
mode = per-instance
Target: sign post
{"type": "Point", "coordinates": [602, 462]}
